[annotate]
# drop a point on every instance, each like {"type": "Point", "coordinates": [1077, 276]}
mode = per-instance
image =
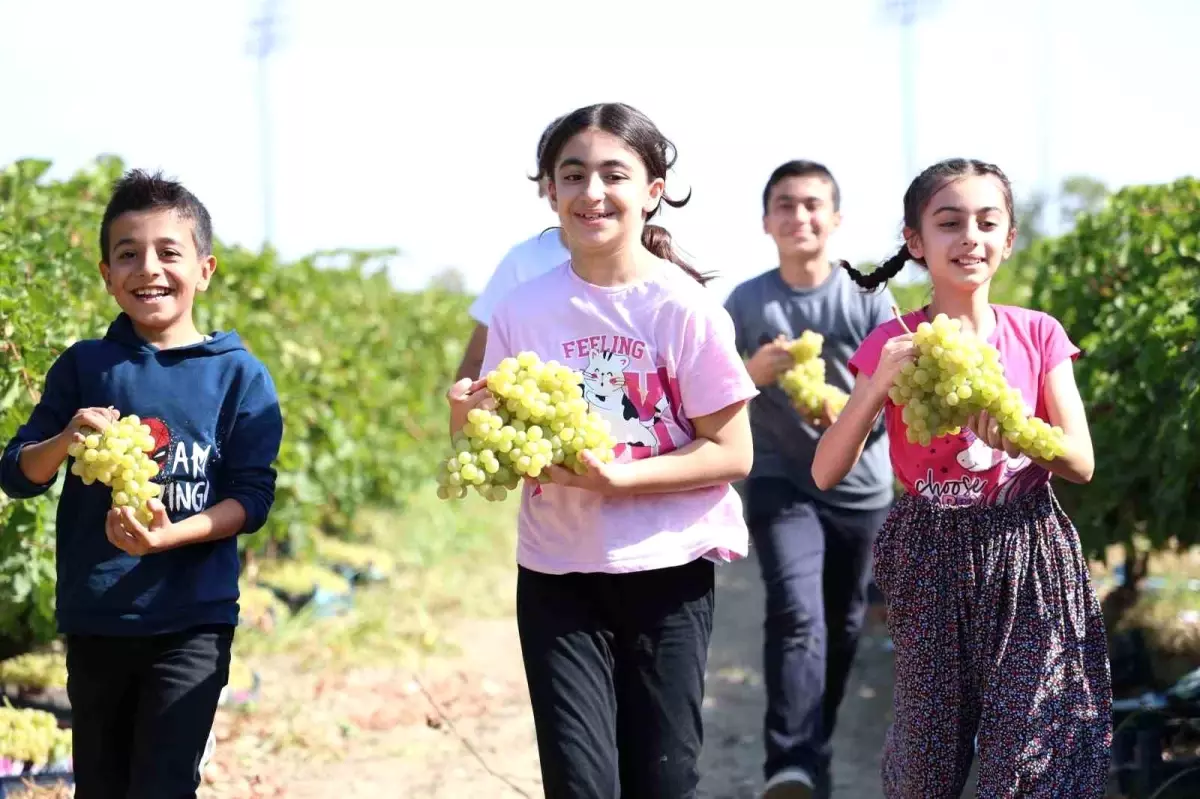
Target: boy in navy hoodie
{"type": "Point", "coordinates": [148, 611]}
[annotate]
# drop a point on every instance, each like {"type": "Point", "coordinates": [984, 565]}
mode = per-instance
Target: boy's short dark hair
{"type": "Point", "coordinates": [139, 190]}
{"type": "Point", "coordinates": [801, 169]}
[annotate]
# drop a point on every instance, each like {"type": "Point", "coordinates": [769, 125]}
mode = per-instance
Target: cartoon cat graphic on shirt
{"type": "Point", "coordinates": [604, 389]}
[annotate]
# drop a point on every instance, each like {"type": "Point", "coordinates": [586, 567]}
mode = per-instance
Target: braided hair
{"type": "Point", "coordinates": [919, 193]}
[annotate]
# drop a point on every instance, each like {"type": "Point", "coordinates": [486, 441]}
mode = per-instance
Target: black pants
{"type": "Point", "coordinates": [615, 666]}
{"type": "Point", "coordinates": [142, 710]}
{"type": "Point", "coordinates": [816, 565]}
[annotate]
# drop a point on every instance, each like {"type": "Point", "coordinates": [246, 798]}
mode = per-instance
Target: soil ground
{"type": "Point", "coordinates": [460, 726]}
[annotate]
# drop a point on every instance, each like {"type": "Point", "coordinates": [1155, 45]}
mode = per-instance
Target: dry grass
{"type": "Point", "coordinates": [60, 791]}
{"type": "Point", "coordinates": [343, 687]}
{"type": "Point", "coordinates": [453, 559]}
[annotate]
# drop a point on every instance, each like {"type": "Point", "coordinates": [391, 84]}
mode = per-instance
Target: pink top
{"type": "Point", "coordinates": [653, 354]}
{"type": "Point", "coordinates": [962, 470]}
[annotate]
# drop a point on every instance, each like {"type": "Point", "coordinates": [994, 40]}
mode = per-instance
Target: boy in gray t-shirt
{"type": "Point", "coordinates": [813, 547]}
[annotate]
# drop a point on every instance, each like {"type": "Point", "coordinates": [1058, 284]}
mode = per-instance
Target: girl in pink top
{"type": "Point", "coordinates": [998, 634]}
{"type": "Point", "coordinates": [615, 566]}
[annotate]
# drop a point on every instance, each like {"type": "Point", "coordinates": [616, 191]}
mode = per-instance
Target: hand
{"type": "Point", "coordinates": [770, 361]}
{"type": "Point", "coordinates": [895, 353]}
{"type": "Point", "coordinates": [129, 535]}
{"type": "Point", "coordinates": [603, 478]}
{"type": "Point", "coordinates": [988, 431]}
{"type": "Point", "coordinates": [465, 395]}
{"type": "Point", "coordinates": [88, 420]}
{"type": "Point", "coordinates": [824, 418]}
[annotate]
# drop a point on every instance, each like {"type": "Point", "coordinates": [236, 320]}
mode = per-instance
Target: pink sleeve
{"type": "Point", "coordinates": [867, 357]}
{"type": "Point", "coordinates": [710, 371]}
{"type": "Point", "coordinates": [1055, 343]}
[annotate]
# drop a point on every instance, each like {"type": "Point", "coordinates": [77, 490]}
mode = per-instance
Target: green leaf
{"type": "Point", "coordinates": [1127, 289]}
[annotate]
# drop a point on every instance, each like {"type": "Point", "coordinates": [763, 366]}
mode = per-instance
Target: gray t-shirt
{"type": "Point", "coordinates": [784, 444]}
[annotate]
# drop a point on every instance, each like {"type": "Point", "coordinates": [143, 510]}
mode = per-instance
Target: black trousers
{"type": "Point", "coordinates": [615, 665]}
{"type": "Point", "coordinates": [142, 709]}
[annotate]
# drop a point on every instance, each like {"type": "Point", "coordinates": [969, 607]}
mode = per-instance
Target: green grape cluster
{"type": "Point", "coordinates": [32, 736]}
{"type": "Point", "coordinates": [241, 676]}
{"type": "Point", "coordinates": [36, 670]}
{"type": "Point", "coordinates": [258, 604]}
{"type": "Point", "coordinates": [805, 383]}
{"type": "Point", "coordinates": [119, 457]}
{"type": "Point", "coordinates": [541, 419]}
{"type": "Point", "coordinates": [297, 578]}
{"type": "Point", "coordinates": [360, 557]}
{"type": "Point", "coordinates": [954, 376]}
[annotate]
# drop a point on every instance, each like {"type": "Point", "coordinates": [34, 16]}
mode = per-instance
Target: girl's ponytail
{"type": "Point", "coordinates": [657, 240]}
{"type": "Point", "coordinates": [881, 274]}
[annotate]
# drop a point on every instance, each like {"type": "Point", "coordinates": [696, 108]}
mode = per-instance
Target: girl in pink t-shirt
{"type": "Point", "coordinates": [616, 566]}
{"type": "Point", "coordinates": [998, 634]}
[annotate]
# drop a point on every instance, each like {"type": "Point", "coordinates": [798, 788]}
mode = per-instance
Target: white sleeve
{"type": "Point", "coordinates": [502, 281]}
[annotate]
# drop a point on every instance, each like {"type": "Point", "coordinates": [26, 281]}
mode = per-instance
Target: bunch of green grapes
{"type": "Point", "coordinates": [541, 419]}
{"type": "Point", "coordinates": [296, 578]}
{"type": "Point", "coordinates": [807, 346]}
{"type": "Point", "coordinates": [360, 557]}
{"type": "Point", "coordinates": [32, 736]}
{"type": "Point", "coordinates": [38, 670]}
{"type": "Point", "coordinates": [241, 676]}
{"type": "Point", "coordinates": [955, 375]}
{"type": "Point", "coordinates": [119, 458]}
{"type": "Point", "coordinates": [805, 382]}
{"type": "Point", "coordinates": [258, 604]}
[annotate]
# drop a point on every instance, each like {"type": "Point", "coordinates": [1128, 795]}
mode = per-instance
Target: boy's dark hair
{"type": "Point", "coordinates": [640, 135]}
{"type": "Point", "coordinates": [919, 193]}
{"type": "Point", "coordinates": [138, 190]}
{"type": "Point", "coordinates": [801, 169]}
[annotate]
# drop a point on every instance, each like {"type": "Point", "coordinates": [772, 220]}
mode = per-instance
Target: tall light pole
{"type": "Point", "coordinates": [906, 12]}
{"type": "Point", "coordinates": [1045, 147]}
{"type": "Point", "coordinates": [263, 42]}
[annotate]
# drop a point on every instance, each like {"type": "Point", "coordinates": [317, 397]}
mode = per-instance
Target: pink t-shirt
{"type": "Point", "coordinates": [653, 355]}
{"type": "Point", "coordinates": [962, 470]}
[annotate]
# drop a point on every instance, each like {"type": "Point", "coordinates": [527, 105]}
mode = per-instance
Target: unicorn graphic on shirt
{"type": "Point", "coordinates": [979, 457]}
{"type": "Point", "coordinates": [604, 389]}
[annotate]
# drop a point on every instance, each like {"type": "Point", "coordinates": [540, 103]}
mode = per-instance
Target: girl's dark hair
{"type": "Point", "coordinates": [919, 193]}
{"type": "Point", "coordinates": [640, 135]}
{"type": "Point", "coordinates": [541, 146]}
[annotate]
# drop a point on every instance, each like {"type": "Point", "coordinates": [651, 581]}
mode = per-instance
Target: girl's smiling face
{"type": "Point", "coordinates": [602, 191]}
{"type": "Point", "coordinates": [966, 232]}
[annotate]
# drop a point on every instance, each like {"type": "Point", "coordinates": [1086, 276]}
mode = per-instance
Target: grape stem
{"type": "Point", "coordinates": [900, 318]}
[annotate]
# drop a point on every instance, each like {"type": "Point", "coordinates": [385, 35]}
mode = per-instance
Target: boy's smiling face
{"type": "Point", "coordinates": [801, 215]}
{"type": "Point", "coordinates": [153, 271]}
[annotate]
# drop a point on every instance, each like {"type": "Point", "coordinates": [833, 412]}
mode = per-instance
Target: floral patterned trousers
{"type": "Point", "coordinates": [999, 641]}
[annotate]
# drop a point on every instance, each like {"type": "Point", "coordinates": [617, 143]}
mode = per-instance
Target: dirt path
{"type": "Point", "coordinates": [733, 753]}
{"type": "Point", "coordinates": [376, 733]}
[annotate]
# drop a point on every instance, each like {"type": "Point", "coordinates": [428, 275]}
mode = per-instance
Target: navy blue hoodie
{"type": "Point", "coordinates": [216, 422]}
